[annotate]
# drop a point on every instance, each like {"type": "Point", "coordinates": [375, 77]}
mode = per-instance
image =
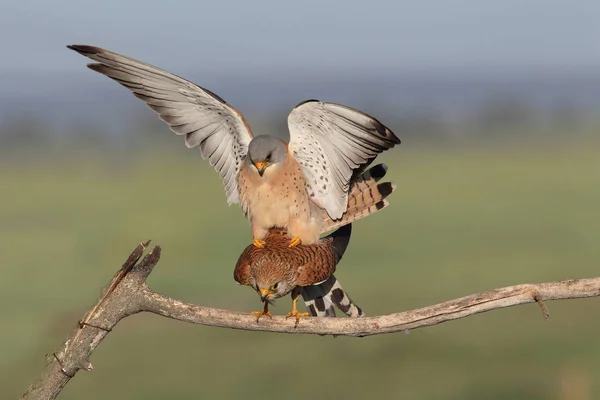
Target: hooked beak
{"type": "Point", "coordinates": [265, 294]}
{"type": "Point", "coordinates": [260, 166]}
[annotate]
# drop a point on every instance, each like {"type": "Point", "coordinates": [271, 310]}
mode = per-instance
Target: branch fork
{"type": "Point", "coordinates": [128, 294]}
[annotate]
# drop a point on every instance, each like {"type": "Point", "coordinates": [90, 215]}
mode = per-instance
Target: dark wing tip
{"type": "Point", "coordinates": [216, 96]}
{"type": "Point", "coordinates": [97, 67]}
{"type": "Point", "coordinates": [385, 132]}
{"type": "Point", "coordinates": [385, 189]}
{"type": "Point", "coordinates": [341, 239]}
{"type": "Point", "coordinates": [378, 171]}
{"type": "Point", "coordinates": [306, 101]}
{"type": "Point", "coordinates": [85, 49]}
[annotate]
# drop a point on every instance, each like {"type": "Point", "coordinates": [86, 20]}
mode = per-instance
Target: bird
{"type": "Point", "coordinates": [307, 270]}
{"type": "Point", "coordinates": [306, 186]}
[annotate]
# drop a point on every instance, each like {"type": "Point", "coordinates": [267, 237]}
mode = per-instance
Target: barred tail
{"type": "Point", "coordinates": [365, 198]}
{"type": "Point", "coordinates": [321, 300]}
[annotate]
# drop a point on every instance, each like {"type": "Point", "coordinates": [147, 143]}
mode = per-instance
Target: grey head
{"type": "Point", "coordinates": [265, 151]}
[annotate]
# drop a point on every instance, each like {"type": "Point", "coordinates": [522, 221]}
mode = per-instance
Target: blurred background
{"type": "Point", "coordinates": [498, 108]}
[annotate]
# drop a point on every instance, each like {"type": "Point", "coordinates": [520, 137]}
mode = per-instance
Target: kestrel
{"type": "Point", "coordinates": [277, 270]}
{"type": "Point", "coordinates": [304, 186]}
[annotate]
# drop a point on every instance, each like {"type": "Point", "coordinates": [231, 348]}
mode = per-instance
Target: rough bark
{"type": "Point", "coordinates": [128, 294]}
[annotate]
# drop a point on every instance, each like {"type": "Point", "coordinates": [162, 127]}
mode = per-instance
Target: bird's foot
{"type": "Point", "coordinates": [259, 243]}
{"type": "Point", "coordinates": [294, 313]}
{"type": "Point", "coordinates": [295, 241]}
{"type": "Point", "coordinates": [261, 313]}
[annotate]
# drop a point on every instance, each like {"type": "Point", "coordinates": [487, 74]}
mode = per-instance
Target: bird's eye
{"type": "Point", "coordinates": [275, 286]}
{"type": "Point", "coordinates": [268, 158]}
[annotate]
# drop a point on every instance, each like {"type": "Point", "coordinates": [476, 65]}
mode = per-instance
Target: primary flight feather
{"type": "Point", "coordinates": [307, 186]}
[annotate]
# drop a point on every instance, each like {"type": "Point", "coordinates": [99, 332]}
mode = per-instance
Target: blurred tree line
{"type": "Point", "coordinates": [495, 119]}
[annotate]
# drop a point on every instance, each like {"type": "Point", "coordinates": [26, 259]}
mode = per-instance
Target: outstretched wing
{"type": "Point", "coordinates": [204, 118]}
{"type": "Point", "coordinates": [331, 142]}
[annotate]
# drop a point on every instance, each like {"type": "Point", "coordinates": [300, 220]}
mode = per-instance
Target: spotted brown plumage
{"type": "Point", "coordinates": [304, 265]}
{"type": "Point", "coordinates": [304, 186]}
{"type": "Point", "coordinates": [277, 270]}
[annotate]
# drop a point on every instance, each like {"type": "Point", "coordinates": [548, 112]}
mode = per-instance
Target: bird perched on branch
{"type": "Point", "coordinates": [306, 186]}
{"type": "Point", "coordinates": [277, 270]}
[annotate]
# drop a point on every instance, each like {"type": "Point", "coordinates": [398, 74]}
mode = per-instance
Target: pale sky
{"type": "Point", "coordinates": [252, 36]}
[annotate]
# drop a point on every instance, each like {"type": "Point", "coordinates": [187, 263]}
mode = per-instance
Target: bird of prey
{"type": "Point", "coordinates": [277, 270]}
{"type": "Point", "coordinates": [303, 186]}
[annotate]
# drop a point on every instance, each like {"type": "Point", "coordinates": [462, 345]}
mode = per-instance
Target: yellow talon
{"type": "Point", "coordinates": [297, 315]}
{"type": "Point", "coordinates": [294, 313]}
{"type": "Point", "coordinates": [260, 314]}
{"type": "Point", "coordinates": [259, 243]}
{"type": "Point", "coordinates": [295, 242]}
{"type": "Point", "coordinates": [264, 311]}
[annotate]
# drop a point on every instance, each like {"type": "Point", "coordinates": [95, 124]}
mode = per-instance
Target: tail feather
{"type": "Point", "coordinates": [321, 300]}
{"type": "Point", "coordinates": [366, 197]}
{"type": "Point", "coordinates": [358, 215]}
{"type": "Point", "coordinates": [317, 304]}
{"type": "Point", "coordinates": [367, 178]}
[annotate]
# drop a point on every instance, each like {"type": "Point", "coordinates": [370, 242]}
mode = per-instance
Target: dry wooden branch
{"type": "Point", "coordinates": [128, 294]}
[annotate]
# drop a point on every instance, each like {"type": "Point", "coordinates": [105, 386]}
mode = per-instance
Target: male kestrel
{"type": "Point", "coordinates": [303, 186]}
{"type": "Point", "coordinates": [277, 270]}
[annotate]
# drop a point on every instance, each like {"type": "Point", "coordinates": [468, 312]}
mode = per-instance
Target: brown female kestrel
{"type": "Point", "coordinates": [303, 186]}
{"type": "Point", "coordinates": [277, 270]}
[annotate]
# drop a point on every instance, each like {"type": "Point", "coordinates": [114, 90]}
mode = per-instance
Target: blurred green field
{"type": "Point", "coordinates": [461, 221]}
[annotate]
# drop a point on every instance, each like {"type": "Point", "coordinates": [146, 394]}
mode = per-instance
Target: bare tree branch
{"type": "Point", "coordinates": [128, 294]}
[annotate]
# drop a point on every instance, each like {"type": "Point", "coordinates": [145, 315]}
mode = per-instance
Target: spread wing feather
{"type": "Point", "coordinates": [332, 142]}
{"type": "Point", "coordinates": [206, 120]}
